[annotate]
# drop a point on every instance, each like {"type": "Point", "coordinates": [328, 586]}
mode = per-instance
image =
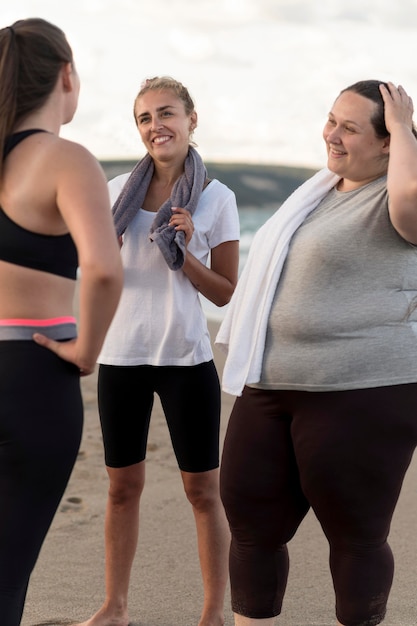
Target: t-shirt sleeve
{"type": "Point", "coordinates": [115, 186]}
{"type": "Point", "coordinates": [226, 226]}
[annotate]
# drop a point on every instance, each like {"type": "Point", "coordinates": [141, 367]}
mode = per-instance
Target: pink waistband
{"type": "Point", "coordinates": [69, 319]}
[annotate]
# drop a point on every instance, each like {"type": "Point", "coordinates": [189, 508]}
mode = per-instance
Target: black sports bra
{"type": "Point", "coordinates": [55, 254]}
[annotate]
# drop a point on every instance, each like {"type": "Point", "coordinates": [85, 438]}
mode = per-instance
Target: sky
{"type": "Point", "coordinates": [263, 73]}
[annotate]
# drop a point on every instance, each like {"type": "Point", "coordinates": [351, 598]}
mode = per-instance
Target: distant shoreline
{"type": "Point", "coordinates": [253, 184]}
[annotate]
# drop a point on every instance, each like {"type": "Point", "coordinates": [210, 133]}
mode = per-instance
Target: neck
{"type": "Point", "coordinates": [345, 184]}
{"type": "Point", "coordinates": [49, 117]}
{"type": "Point", "coordinates": [166, 176]}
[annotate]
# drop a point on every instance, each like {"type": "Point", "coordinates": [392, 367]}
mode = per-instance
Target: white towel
{"type": "Point", "coordinates": [243, 331]}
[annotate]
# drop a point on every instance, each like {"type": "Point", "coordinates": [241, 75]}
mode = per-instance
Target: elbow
{"type": "Point", "coordinates": [113, 277]}
{"type": "Point", "coordinates": [226, 295]}
{"type": "Point", "coordinates": [105, 274]}
{"type": "Point", "coordinates": [221, 302]}
{"type": "Point", "coordinates": [413, 189]}
{"type": "Point", "coordinates": [403, 216]}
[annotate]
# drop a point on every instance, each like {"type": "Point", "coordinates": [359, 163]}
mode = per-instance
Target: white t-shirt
{"type": "Point", "coordinates": [159, 319]}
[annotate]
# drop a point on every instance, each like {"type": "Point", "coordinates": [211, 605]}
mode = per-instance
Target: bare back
{"type": "Point", "coordinates": [34, 196]}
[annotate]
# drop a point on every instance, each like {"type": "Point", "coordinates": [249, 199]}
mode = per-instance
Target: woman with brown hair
{"type": "Point", "coordinates": [321, 336]}
{"type": "Point", "coordinates": [54, 218]}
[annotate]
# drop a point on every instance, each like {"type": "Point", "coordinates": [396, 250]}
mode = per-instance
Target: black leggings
{"type": "Point", "coordinates": [344, 454]}
{"type": "Point", "coordinates": [41, 417]}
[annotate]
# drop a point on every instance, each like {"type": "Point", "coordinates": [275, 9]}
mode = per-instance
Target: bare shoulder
{"type": "Point", "coordinates": [79, 181]}
{"type": "Point", "coordinates": [73, 158]}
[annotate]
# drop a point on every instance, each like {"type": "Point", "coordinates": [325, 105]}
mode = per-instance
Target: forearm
{"type": "Point", "coordinates": [402, 167]}
{"type": "Point", "coordinates": [98, 300]}
{"type": "Point", "coordinates": [402, 182]}
{"type": "Point", "coordinates": [402, 160]}
{"type": "Point", "coordinates": [212, 285]}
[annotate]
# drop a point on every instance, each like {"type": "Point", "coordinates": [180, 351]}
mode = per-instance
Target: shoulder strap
{"type": "Point", "coordinates": [13, 140]}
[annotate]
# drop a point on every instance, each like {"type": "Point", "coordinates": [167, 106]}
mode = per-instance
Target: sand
{"type": "Point", "coordinates": [67, 584]}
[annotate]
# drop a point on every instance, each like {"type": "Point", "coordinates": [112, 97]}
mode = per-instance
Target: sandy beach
{"type": "Point", "coordinates": [67, 584]}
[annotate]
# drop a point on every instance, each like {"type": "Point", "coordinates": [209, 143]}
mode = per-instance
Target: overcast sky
{"type": "Point", "coordinates": [263, 73]}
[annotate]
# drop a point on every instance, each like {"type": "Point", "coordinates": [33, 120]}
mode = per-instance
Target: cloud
{"type": "Point", "coordinates": [263, 73]}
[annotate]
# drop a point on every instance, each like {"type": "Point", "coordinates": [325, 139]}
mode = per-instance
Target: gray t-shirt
{"type": "Point", "coordinates": [344, 314]}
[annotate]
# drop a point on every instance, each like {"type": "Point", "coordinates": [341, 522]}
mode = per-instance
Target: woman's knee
{"type": "Point", "coordinates": [126, 483]}
{"type": "Point", "coordinates": [202, 489]}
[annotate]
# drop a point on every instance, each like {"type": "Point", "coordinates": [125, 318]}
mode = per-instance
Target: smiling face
{"type": "Point", "coordinates": [164, 125]}
{"type": "Point", "coordinates": [353, 149]}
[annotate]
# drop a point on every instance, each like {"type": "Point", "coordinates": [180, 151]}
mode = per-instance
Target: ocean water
{"type": "Point", "coordinates": [251, 219]}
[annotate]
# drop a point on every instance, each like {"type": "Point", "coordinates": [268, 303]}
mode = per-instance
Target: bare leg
{"type": "Point", "coordinates": [121, 537]}
{"type": "Point", "coordinates": [213, 539]}
{"type": "Point", "coordinates": [249, 621]}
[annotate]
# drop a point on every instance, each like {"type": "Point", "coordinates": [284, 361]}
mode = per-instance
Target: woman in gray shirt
{"type": "Point", "coordinates": [322, 354]}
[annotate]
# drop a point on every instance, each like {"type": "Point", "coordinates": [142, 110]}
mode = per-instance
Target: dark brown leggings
{"type": "Point", "coordinates": [342, 453]}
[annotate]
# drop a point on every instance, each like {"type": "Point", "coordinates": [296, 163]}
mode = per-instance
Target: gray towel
{"type": "Point", "coordinates": [185, 193]}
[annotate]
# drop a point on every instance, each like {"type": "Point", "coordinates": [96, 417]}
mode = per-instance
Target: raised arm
{"type": "Point", "coordinates": [402, 166]}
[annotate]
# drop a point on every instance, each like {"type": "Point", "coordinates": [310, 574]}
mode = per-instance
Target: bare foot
{"type": "Point", "coordinates": [104, 617]}
{"type": "Point", "coordinates": [212, 620]}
